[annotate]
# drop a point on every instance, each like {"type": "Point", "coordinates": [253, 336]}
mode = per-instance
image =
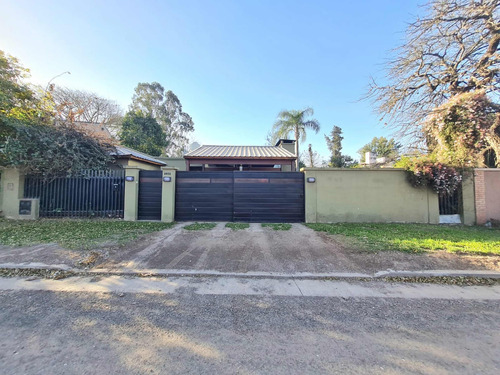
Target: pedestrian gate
{"type": "Point", "coordinates": [149, 195]}
{"type": "Point", "coordinates": [240, 196]}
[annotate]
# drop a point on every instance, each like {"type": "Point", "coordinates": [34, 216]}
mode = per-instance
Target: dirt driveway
{"type": "Point", "coordinates": [255, 249]}
{"type": "Point", "coordinates": [259, 249]}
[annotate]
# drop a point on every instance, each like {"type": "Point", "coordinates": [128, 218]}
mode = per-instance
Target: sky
{"type": "Point", "coordinates": [233, 64]}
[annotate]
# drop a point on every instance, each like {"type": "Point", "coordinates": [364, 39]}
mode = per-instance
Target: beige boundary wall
{"type": "Point", "coordinates": [12, 190]}
{"type": "Point", "coordinates": [364, 195]}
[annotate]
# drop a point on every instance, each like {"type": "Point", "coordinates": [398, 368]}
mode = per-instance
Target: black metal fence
{"type": "Point", "coordinates": [91, 194]}
{"type": "Point", "coordinates": [449, 203]}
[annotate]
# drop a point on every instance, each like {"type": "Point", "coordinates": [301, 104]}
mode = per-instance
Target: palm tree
{"type": "Point", "coordinates": [294, 121]}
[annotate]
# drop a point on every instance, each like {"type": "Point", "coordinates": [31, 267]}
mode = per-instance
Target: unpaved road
{"type": "Point", "coordinates": [186, 333]}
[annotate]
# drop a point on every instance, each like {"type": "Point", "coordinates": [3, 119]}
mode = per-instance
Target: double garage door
{"type": "Point", "coordinates": [240, 196]}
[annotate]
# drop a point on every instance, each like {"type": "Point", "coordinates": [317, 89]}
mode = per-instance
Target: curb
{"type": "Point", "coordinates": [253, 275]}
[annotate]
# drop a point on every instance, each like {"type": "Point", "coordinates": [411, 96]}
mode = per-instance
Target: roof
{"type": "Point", "coordinates": [126, 152]}
{"type": "Point", "coordinates": [243, 152]}
{"type": "Point", "coordinates": [93, 129]}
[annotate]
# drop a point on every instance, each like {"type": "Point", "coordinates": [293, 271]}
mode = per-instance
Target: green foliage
{"type": "Point", "coordinates": [237, 226]}
{"type": "Point", "coordinates": [425, 170]}
{"type": "Point", "coordinates": [74, 234]}
{"type": "Point", "coordinates": [49, 151]}
{"type": "Point", "coordinates": [416, 238]}
{"type": "Point", "coordinates": [463, 129]}
{"type": "Point", "coordinates": [143, 133]}
{"type": "Point", "coordinates": [280, 226]}
{"type": "Point", "coordinates": [294, 121]}
{"type": "Point", "coordinates": [381, 147]}
{"type": "Point", "coordinates": [166, 108]}
{"type": "Point", "coordinates": [31, 138]}
{"type": "Point", "coordinates": [200, 226]}
{"type": "Point", "coordinates": [334, 143]}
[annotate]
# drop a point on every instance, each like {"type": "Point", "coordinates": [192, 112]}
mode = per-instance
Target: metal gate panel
{"type": "Point", "coordinates": [269, 197]}
{"type": "Point", "coordinates": [204, 196]}
{"type": "Point", "coordinates": [149, 207]}
{"type": "Point", "coordinates": [240, 196]}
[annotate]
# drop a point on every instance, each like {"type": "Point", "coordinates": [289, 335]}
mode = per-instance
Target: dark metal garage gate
{"type": "Point", "coordinates": [240, 196]}
{"type": "Point", "coordinates": [149, 195]}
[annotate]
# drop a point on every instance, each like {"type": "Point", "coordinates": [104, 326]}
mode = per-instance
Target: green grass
{"type": "Point", "coordinates": [73, 233]}
{"type": "Point", "coordinates": [200, 226]}
{"type": "Point", "coordinates": [415, 238]}
{"type": "Point", "coordinates": [277, 226]}
{"type": "Point", "coordinates": [237, 226]}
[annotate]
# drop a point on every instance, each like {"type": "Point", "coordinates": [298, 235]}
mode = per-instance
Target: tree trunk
{"type": "Point", "coordinates": [297, 148]}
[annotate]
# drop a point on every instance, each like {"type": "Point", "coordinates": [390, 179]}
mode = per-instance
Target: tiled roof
{"type": "Point", "coordinates": [125, 151]}
{"type": "Point", "coordinates": [247, 152]}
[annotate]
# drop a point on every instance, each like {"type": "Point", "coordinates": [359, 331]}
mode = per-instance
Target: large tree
{"type": "Point", "coordinates": [295, 122]}
{"type": "Point", "coordinates": [142, 133]}
{"type": "Point", "coordinates": [451, 50]}
{"type": "Point", "coordinates": [334, 143]}
{"type": "Point", "coordinates": [381, 147]}
{"type": "Point", "coordinates": [165, 107]}
{"type": "Point", "coordinates": [31, 139]}
{"type": "Point", "coordinates": [78, 105]}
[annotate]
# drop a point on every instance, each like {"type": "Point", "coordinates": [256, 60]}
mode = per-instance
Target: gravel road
{"type": "Point", "coordinates": [184, 333]}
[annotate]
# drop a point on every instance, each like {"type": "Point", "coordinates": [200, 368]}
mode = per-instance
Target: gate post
{"type": "Point", "coordinates": [12, 191]}
{"type": "Point", "coordinates": [310, 192]}
{"type": "Point", "coordinates": [168, 194]}
{"type": "Point", "coordinates": [131, 193]}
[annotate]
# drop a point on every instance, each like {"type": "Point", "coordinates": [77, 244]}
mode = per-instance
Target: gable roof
{"type": "Point", "coordinates": [93, 129]}
{"type": "Point", "coordinates": [244, 152]}
{"type": "Point", "coordinates": [128, 153]}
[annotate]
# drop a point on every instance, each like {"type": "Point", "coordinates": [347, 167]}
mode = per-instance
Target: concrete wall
{"type": "Point", "coordinates": [179, 163]}
{"type": "Point", "coordinates": [487, 194]}
{"type": "Point", "coordinates": [468, 207]}
{"type": "Point", "coordinates": [363, 195]}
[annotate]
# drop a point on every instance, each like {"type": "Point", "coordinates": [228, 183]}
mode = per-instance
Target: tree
{"type": "Point", "coordinates": [465, 131]}
{"type": "Point", "coordinates": [334, 143]}
{"type": "Point", "coordinates": [294, 121]}
{"type": "Point", "coordinates": [271, 138]}
{"type": "Point", "coordinates": [452, 50]}
{"type": "Point", "coordinates": [382, 147]}
{"type": "Point", "coordinates": [78, 105]}
{"type": "Point", "coordinates": [17, 100]}
{"type": "Point", "coordinates": [166, 108]}
{"type": "Point", "coordinates": [48, 151]}
{"type": "Point", "coordinates": [312, 159]}
{"type": "Point", "coordinates": [142, 133]}
{"type": "Point", "coordinates": [31, 140]}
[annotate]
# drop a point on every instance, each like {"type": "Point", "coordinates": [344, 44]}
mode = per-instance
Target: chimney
{"type": "Point", "coordinates": [287, 144]}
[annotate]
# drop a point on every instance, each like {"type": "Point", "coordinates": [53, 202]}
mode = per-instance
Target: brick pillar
{"type": "Point", "coordinates": [480, 197]}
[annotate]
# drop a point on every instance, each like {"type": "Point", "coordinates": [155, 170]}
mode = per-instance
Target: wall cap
{"type": "Point", "coordinates": [307, 169]}
{"type": "Point", "coordinates": [487, 169]}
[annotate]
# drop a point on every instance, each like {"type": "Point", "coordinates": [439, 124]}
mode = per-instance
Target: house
{"type": "Point", "coordinates": [124, 156]}
{"type": "Point", "coordinates": [127, 157]}
{"type": "Point", "coordinates": [280, 157]}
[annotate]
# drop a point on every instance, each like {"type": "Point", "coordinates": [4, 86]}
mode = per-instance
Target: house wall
{"type": "Point", "coordinates": [123, 163]}
{"type": "Point", "coordinates": [361, 195]}
{"type": "Point", "coordinates": [179, 163]}
{"type": "Point", "coordinates": [487, 194]}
